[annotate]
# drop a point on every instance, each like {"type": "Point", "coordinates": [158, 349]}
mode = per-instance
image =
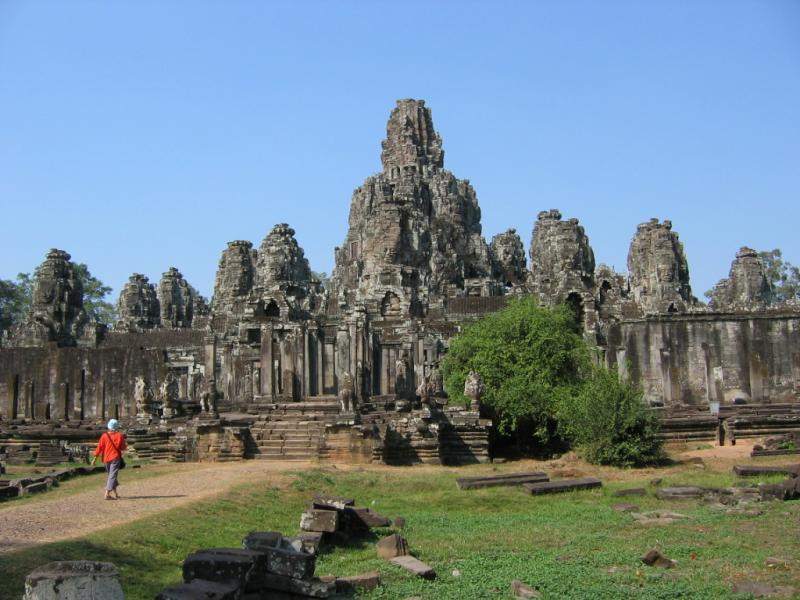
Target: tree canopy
{"type": "Point", "coordinates": [782, 275]}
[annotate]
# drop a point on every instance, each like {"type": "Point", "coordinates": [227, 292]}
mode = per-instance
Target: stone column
{"type": "Point", "coordinates": [384, 370]}
{"type": "Point", "coordinates": [210, 351]}
{"type": "Point", "coordinates": [666, 376]}
{"type": "Point", "coordinates": [266, 360]}
{"type": "Point", "coordinates": [320, 364]}
{"type": "Point", "coordinates": [306, 365]}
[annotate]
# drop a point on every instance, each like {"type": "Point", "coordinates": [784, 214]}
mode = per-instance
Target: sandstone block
{"type": "Point", "coordinates": [78, 579]}
{"type": "Point", "coordinates": [364, 582]}
{"type": "Point", "coordinates": [391, 546]}
{"type": "Point", "coordinates": [415, 566]}
{"type": "Point", "coordinates": [282, 558]}
{"type": "Point", "coordinates": [522, 590]}
{"type": "Point", "coordinates": [246, 567]}
{"type": "Point", "coordinates": [319, 520]}
{"type": "Point", "coordinates": [654, 558]}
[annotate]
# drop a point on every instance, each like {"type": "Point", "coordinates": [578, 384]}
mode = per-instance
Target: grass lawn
{"type": "Point", "coordinates": [568, 546]}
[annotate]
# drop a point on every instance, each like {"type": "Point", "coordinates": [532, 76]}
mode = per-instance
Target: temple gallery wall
{"type": "Point", "coordinates": [342, 367]}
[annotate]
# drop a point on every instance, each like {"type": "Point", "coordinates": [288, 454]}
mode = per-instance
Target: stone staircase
{"type": "Point", "coordinates": [291, 431]}
{"type": "Point", "coordinates": [154, 445]}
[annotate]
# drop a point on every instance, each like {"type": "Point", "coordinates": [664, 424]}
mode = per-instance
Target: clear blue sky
{"type": "Point", "coordinates": [140, 135]}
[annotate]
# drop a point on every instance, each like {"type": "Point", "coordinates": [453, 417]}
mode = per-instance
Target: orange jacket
{"type": "Point", "coordinates": [105, 447]}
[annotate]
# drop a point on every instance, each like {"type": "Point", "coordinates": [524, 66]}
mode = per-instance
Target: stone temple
{"type": "Point", "coordinates": [282, 366]}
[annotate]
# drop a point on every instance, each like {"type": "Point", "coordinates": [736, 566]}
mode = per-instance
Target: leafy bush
{"type": "Point", "coordinates": [541, 386]}
{"type": "Point", "coordinates": [609, 423]}
{"type": "Point", "coordinates": [530, 359]}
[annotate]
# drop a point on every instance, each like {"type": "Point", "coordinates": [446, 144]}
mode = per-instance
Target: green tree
{"type": "Point", "coordinates": [609, 423]}
{"type": "Point", "coordinates": [15, 299]}
{"type": "Point", "coordinates": [782, 275]}
{"type": "Point", "coordinates": [94, 293]}
{"type": "Point", "coordinates": [530, 358]}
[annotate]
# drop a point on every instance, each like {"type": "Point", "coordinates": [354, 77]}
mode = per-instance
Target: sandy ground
{"type": "Point", "coordinates": [56, 516]}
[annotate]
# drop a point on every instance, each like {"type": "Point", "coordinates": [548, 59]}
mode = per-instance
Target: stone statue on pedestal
{"type": "Point", "coordinates": [346, 393]}
{"type": "Point", "coordinates": [143, 396]}
{"type": "Point", "coordinates": [474, 390]}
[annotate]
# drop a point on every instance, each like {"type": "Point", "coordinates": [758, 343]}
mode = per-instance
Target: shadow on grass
{"type": "Point", "coordinates": [151, 497]}
{"type": "Point", "coordinates": [354, 540]}
{"type": "Point", "coordinates": [15, 566]}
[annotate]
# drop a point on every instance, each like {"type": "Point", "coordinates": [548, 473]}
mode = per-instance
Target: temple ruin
{"type": "Point", "coordinates": [284, 367]}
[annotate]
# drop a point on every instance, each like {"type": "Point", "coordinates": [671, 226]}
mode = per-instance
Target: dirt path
{"type": "Point", "coordinates": [57, 516]}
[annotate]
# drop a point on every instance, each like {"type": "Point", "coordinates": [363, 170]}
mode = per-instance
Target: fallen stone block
{"type": "Point", "coordinates": [787, 490]}
{"type": "Point", "coordinates": [199, 589]}
{"type": "Point", "coordinates": [656, 481]}
{"type": "Point", "coordinates": [786, 452]}
{"type": "Point", "coordinates": [81, 579]}
{"type": "Point", "coordinates": [358, 583]}
{"type": "Point", "coordinates": [282, 558]}
{"type": "Point", "coordinates": [391, 546]}
{"type": "Point", "coordinates": [316, 587]}
{"type": "Point", "coordinates": [510, 479]}
{"type": "Point", "coordinates": [357, 517]}
{"type": "Point", "coordinates": [246, 567]}
{"type": "Point", "coordinates": [562, 485]}
{"type": "Point", "coordinates": [308, 541]}
{"type": "Point", "coordinates": [684, 492]}
{"type": "Point", "coordinates": [415, 566]}
{"type": "Point", "coordinates": [655, 558]}
{"type": "Point", "coordinates": [331, 502]}
{"type": "Point", "coordinates": [755, 470]}
{"type": "Point", "coordinates": [35, 488]}
{"type": "Point", "coordinates": [630, 492]}
{"type": "Point", "coordinates": [9, 491]}
{"type": "Point", "coordinates": [319, 520]}
{"type": "Point", "coordinates": [522, 590]}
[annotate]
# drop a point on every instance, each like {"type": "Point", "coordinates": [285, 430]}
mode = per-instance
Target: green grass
{"type": "Point", "coordinates": [571, 545]}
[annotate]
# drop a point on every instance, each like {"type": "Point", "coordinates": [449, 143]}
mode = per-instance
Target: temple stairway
{"type": "Point", "coordinates": [292, 430]}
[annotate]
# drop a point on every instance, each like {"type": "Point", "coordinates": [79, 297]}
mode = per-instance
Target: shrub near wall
{"type": "Point", "coordinates": [541, 386]}
{"type": "Point", "coordinates": [609, 423]}
{"type": "Point", "coordinates": [530, 358]}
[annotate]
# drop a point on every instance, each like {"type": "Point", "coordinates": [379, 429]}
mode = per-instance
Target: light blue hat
{"type": "Point", "coordinates": [113, 424]}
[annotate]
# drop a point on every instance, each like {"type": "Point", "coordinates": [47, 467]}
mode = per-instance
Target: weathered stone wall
{"type": "Point", "coordinates": [65, 383]}
{"type": "Point", "coordinates": [696, 359]}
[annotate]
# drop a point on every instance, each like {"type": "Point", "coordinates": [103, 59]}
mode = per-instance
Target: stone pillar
{"type": "Point", "coordinates": [266, 360]}
{"type": "Point", "coordinates": [306, 365]}
{"type": "Point", "coordinates": [666, 377]}
{"type": "Point", "coordinates": [68, 580]}
{"type": "Point", "coordinates": [210, 368]}
{"type": "Point", "coordinates": [320, 364]}
{"type": "Point", "coordinates": [384, 370]}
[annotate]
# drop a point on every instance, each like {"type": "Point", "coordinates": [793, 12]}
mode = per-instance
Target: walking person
{"type": "Point", "coordinates": [110, 448]}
